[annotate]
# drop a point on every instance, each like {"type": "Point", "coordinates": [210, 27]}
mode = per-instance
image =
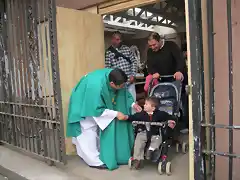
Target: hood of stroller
{"type": "Point", "coordinates": [169, 95]}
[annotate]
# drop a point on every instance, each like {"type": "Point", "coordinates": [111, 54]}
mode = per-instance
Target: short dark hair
{"type": "Point", "coordinates": [154, 36]}
{"type": "Point", "coordinates": [117, 33]}
{"type": "Point", "coordinates": [153, 100]}
{"type": "Point", "coordinates": [118, 77]}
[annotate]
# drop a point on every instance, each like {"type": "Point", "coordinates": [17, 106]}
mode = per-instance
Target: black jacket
{"type": "Point", "coordinates": [166, 61]}
{"type": "Point", "coordinates": [157, 116]}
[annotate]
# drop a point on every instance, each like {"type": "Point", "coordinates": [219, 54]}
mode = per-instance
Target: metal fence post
{"type": "Point", "coordinates": [196, 56]}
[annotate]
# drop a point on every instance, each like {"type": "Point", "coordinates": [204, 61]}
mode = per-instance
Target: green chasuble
{"type": "Point", "coordinates": [91, 96]}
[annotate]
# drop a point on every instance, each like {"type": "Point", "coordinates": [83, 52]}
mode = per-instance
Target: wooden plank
{"type": "Point", "coordinates": [121, 6]}
{"type": "Point", "coordinates": [80, 49]}
{"type": "Point", "coordinates": [93, 9]}
{"type": "Point", "coordinates": [78, 4]}
{"type": "Point", "coordinates": [191, 139]}
{"type": "Point", "coordinates": [112, 3]}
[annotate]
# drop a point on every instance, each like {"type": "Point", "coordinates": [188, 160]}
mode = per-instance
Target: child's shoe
{"type": "Point", "coordinates": [138, 164]}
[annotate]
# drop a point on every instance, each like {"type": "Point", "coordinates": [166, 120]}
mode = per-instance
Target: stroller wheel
{"type": "Point", "coordinates": [130, 161]}
{"type": "Point", "coordinates": [177, 147]}
{"type": "Point", "coordinates": [184, 148]}
{"type": "Point", "coordinates": [160, 168]}
{"type": "Point", "coordinates": [168, 168]}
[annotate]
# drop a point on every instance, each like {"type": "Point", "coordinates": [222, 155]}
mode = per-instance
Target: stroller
{"type": "Point", "coordinates": [168, 90]}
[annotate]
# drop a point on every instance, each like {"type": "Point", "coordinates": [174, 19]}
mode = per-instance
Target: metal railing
{"type": "Point", "coordinates": [205, 155]}
{"type": "Point", "coordinates": [30, 94]}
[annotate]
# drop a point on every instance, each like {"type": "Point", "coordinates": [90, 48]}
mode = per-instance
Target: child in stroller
{"type": "Point", "coordinates": [149, 133]}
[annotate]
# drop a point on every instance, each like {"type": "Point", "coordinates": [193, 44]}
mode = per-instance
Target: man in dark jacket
{"type": "Point", "coordinates": [166, 58]}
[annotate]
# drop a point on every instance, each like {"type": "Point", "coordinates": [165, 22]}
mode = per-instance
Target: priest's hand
{"type": "Point", "coordinates": [137, 108]}
{"type": "Point", "coordinates": [125, 117]}
{"type": "Point", "coordinates": [121, 116]}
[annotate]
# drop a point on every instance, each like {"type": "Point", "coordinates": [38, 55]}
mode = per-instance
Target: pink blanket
{"type": "Point", "coordinates": [148, 80]}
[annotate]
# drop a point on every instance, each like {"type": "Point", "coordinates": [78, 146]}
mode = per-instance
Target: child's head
{"type": "Point", "coordinates": [151, 104]}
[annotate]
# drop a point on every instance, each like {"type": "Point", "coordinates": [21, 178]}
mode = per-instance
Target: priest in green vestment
{"type": "Point", "coordinates": [96, 105]}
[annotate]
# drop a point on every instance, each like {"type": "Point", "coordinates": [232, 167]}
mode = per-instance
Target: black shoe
{"type": "Point", "coordinates": [99, 167]}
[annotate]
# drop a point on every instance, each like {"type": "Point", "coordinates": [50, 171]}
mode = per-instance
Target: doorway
{"type": "Point", "coordinates": [93, 49]}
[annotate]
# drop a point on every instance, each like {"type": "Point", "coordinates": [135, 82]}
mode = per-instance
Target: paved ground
{"type": "Point", "coordinates": [77, 170]}
{"type": "Point", "coordinates": [2, 177]}
{"type": "Point", "coordinates": [180, 171]}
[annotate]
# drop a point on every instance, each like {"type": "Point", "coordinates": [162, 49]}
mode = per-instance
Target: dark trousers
{"type": "Point", "coordinates": [185, 111]}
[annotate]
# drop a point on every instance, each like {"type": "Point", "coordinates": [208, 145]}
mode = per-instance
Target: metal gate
{"type": "Point", "coordinates": [204, 130]}
{"type": "Point", "coordinates": [30, 95]}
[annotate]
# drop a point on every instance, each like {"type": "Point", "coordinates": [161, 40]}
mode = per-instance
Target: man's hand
{"type": "Point", "coordinates": [131, 79]}
{"type": "Point", "coordinates": [171, 124]}
{"type": "Point", "coordinates": [121, 116]}
{"type": "Point", "coordinates": [137, 108]}
{"type": "Point", "coordinates": [156, 76]}
{"type": "Point", "coordinates": [178, 76]}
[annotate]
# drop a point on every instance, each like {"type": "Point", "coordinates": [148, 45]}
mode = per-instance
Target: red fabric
{"type": "Point", "coordinates": [150, 117]}
{"type": "Point", "coordinates": [148, 80]}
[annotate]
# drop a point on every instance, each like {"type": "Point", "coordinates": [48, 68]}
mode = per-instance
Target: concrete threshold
{"type": "Point", "coordinates": [33, 169]}
{"type": "Point", "coordinates": [7, 174]}
{"type": "Point", "coordinates": [17, 166]}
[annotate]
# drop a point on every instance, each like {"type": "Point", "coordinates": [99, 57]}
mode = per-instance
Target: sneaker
{"type": "Point", "coordinates": [138, 164]}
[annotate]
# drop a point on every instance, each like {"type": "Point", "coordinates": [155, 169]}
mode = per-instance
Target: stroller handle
{"type": "Point", "coordinates": [151, 82]}
{"type": "Point", "coordinates": [161, 124]}
{"type": "Point", "coordinates": [167, 76]}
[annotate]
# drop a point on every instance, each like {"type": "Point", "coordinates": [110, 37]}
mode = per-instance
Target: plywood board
{"type": "Point", "coordinates": [81, 50]}
{"type": "Point", "coordinates": [78, 4]}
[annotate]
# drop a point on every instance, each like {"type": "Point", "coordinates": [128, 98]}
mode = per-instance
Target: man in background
{"type": "Point", "coordinates": [120, 56]}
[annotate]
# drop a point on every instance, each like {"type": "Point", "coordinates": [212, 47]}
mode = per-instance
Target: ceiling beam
{"type": "Point", "coordinates": [145, 21]}
{"type": "Point", "coordinates": [139, 14]}
{"type": "Point", "coordinates": [126, 23]}
{"type": "Point", "coordinates": [160, 12]}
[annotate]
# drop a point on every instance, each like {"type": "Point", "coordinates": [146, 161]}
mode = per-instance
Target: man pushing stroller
{"type": "Point", "coordinates": [146, 133]}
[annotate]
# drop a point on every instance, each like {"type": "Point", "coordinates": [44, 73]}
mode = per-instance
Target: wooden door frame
{"type": "Point", "coordinates": [195, 40]}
